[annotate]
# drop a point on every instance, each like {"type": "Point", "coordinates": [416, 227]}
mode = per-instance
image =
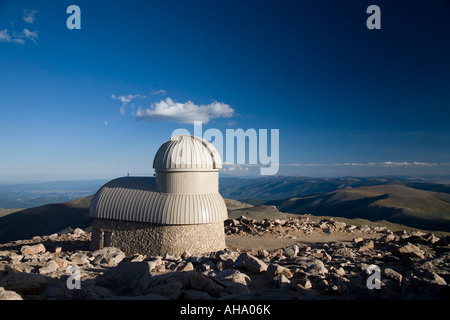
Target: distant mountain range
{"type": "Point", "coordinates": [45, 220]}
{"type": "Point", "coordinates": [412, 202]}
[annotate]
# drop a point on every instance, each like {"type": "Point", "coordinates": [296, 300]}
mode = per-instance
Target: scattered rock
{"type": "Point", "coordinates": [50, 267]}
{"type": "Point", "coordinates": [274, 270]}
{"type": "Point", "coordinates": [78, 232]}
{"type": "Point", "coordinates": [412, 251]}
{"type": "Point", "coordinates": [366, 245]}
{"type": "Point", "coordinates": [109, 255]}
{"type": "Point", "coordinates": [230, 275]}
{"type": "Point", "coordinates": [9, 295]}
{"type": "Point", "coordinates": [128, 278]}
{"type": "Point", "coordinates": [26, 283]}
{"type": "Point", "coordinates": [250, 263]}
{"type": "Point", "coordinates": [31, 250]}
{"type": "Point", "coordinates": [291, 251]}
{"type": "Point", "coordinates": [394, 275]}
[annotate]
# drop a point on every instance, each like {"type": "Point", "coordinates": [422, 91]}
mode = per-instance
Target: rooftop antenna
{"type": "Point", "coordinates": [128, 174]}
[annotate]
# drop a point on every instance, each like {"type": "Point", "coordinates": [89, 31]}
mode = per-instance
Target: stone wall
{"type": "Point", "coordinates": [154, 239]}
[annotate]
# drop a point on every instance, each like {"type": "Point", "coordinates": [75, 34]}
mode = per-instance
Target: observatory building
{"type": "Point", "coordinates": [178, 210]}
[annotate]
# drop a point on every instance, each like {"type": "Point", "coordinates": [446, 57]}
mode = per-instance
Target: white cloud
{"type": "Point", "coordinates": [126, 100]}
{"type": "Point", "coordinates": [106, 123]}
{"type": "Point", "coordinates": [6, 37]}
{"type": "Point", "coordinates": [158, 92]}
{"type": "Point", "coordinates": [30, 35]}
{"type": "Point", "coordinates": [170, 111]}
{"type": "Point", "coordinates": [29, 15]}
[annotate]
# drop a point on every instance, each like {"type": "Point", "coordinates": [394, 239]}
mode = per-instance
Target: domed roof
{"type": "Point", "coordinates": [186, 152]}
{"type": "Point", "coordinates": [137, 199]}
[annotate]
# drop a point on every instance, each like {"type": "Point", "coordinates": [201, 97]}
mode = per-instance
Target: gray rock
{"type": "Point", "coordinates": [392, 274]}
{"type": "Point", "coordinates": [185, 266]}
{"type": "Point", "coordinates": [230, 275]}
{"type": "Point", "coordinates": [32, 250]}
{"type": "Point", "coordinates": [366, 245]}
{"type": "Point", "coordinates": [412, 251]}
{"type": "Point", "coordinates": [9, 295]}
{"type": "Point", "coordinates": [24, 282]}
{"type": "Point", "coordinates": [275, 269]}
{"type": "Point", "coordinates": [388, 238]}
{"type": "Point", "coordinates": [50, 267]}
{"type": "Point", "coordinates": [171, 290]}
{"type": "Point", "coordinates": [251, 263]}
{"type": "Point", "coordinates": [189, 280]}
{"type": "Point", "coordinates": [109, 255]}
{"type": "Point", "coordinates": [291, 251]}
{"type": "Point", "coordinates": [92, 292]}
{"type": "Point", "coordinates": [78, 232]}
{"type": "Point", "coordinates": [128, 278]}
{"type": "Point", "coordinates": [304, 283]}
{"type": "Point", "coordinates": [311, 265]}
{"type": "Point", "coordinates": [281, 282]}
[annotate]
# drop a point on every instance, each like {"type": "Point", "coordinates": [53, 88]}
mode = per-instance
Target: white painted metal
{"type": "Point", "coordinates": [184, 191]}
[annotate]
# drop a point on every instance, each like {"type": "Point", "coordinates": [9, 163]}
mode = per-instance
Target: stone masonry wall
{"type": "Point", "coordinates": [153, 239]}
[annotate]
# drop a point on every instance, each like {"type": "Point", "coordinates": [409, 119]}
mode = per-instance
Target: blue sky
{"type": "Point", "coordinates": [93, 103]}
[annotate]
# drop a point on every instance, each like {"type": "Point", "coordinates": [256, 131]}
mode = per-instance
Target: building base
{"type": "Point", "coordinates": [155, 239]}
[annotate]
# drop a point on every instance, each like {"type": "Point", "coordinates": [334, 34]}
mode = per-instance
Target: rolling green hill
{"type": "Point", "coordinates": [394, 203]}
{"type": "Point", "coordinates": [45, 220]}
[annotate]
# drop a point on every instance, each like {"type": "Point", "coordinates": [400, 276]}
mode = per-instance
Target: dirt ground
{"type": "Point", "coordinates": [274, 241]}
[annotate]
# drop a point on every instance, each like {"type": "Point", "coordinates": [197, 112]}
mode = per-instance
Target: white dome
{"type": "Point", "coordinates": [187, 153]}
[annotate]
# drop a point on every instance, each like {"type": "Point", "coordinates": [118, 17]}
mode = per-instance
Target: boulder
{"type": "Point", "coordinates": [50, 267]}
{"type": "Point", "coordinates": [274, 270]}
{"type": "Point", "coordinates": [9, 295]}
{"type": "Point", "coordinates": [171, 290]}
{"type": "Point", "coordinates": [92, 292]}
{"type": "Point", "coordinates": [230, 275]}
{"type": "Point", "coordinates": [32, 250]}
{"type": "Point", "coordinates": [78, 232]}
{"type": "Point", "coordinates": [411, 251]}
{"type": "Point", "coordinates": [366, 245]}
{"type": "Point", "coordinates": [291, 251]}
{"type": "Point", "coordinates": [251, 263]}
{"type": "Point", "coordinates": [392, 274]}
{"type": "Point", "coordinates": [312, 265]}
{"type": "Point", "coordinates": [25, 283]}
{"type": "Point", "coordinates": [189, 280]}
{"type": "Point", "coordinates": [128, 278]}
{"type": "Point", "coordinates": [109, 255]}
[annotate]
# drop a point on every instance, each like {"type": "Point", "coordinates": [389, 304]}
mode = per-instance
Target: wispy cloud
{"type": "Point", "coordinates": [169, 111]}
{"type": "Point", "coordinates": [126, 100]}
{"type": "Point", "coordinates": [30, 35]}
{"type": "Point", "coordinates": [17, 37]}
{"type": "Point", "coordinates": [29, 15]}
{"type": "Point", "coordinates": [160, 92]}
{"type": "Point", "coordinates": [5, 36]}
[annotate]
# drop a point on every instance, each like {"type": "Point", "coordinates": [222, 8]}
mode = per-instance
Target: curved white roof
{"type": "Point", "coordinates": [137, 199]}
{"type": "Point", "coordinates": [185, 152]}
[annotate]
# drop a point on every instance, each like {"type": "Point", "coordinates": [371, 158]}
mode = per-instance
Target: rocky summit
{"type": "Point", "coordinates": [370, 263]}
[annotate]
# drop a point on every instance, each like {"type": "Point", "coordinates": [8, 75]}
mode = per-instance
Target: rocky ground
{"type": "Point", "coordinates": [294, 259]}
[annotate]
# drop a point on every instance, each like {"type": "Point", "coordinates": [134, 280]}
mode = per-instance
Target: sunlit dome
{"type": "Point", "coordinates": [188, 153]}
